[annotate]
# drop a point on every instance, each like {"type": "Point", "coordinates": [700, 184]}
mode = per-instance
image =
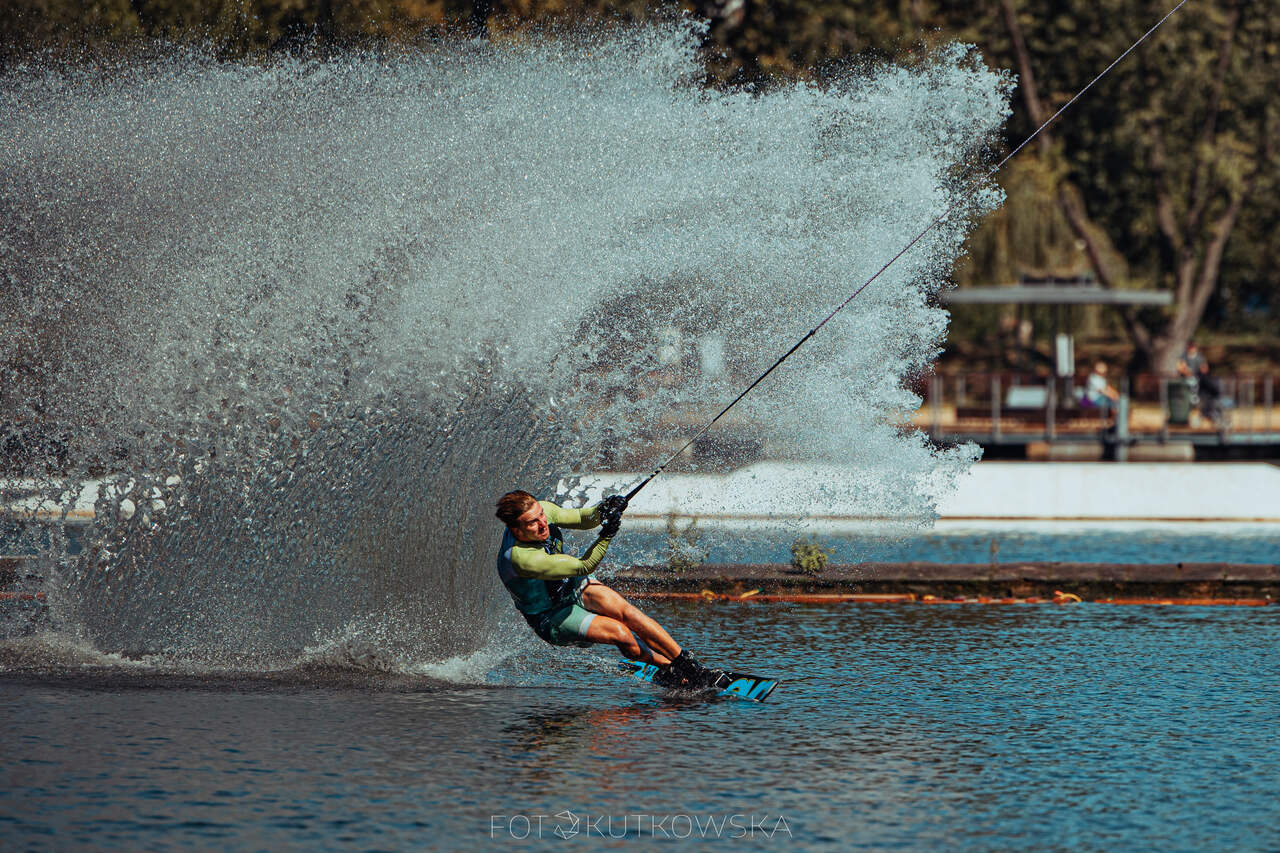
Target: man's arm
{"type": "Point", "coordinates": [536, 563]}
{"type": "Point", "coordinates": [574, 519]}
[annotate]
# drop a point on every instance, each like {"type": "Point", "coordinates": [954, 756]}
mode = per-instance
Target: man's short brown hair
{"type": "Point", "coordinates": [512, 505]}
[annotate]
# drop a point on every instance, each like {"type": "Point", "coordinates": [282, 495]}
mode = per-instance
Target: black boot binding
{"type": "Point", "coordinates": [686, 667]}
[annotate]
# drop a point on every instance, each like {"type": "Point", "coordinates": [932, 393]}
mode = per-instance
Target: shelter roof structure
{"type": "Point", "coordinates": [1055, 291]}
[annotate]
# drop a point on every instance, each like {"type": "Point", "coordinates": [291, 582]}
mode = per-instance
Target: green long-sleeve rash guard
{"type": "Point", "coordinates": [531, 560]}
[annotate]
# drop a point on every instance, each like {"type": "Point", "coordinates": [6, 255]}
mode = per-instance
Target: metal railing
{"type": "Point", "coordinates": [1150, 405]}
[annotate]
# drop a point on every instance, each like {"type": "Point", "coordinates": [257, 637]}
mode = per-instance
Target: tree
{"type": "Point", "coordinates": [1146, 181]}
{"type": "Point", "coordinates": [1165, 159]}
{"type": "Point", "coordinates": [1142, 183]}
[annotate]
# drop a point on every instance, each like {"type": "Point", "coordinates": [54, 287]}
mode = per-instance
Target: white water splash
{"type": "Point", "coordinates": [321, 311]}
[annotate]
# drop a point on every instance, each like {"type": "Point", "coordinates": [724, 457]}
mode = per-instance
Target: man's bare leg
{"type": "Point", "coordinates": [604, 629]}
{"type": "Point", "coordinates": [600, 599]}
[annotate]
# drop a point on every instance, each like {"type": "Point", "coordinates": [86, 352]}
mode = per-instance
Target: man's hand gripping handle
{"type": "Point", "coordinates": [611, 509]}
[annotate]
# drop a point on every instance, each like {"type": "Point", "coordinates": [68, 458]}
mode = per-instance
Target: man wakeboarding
{"type": "Point", "coordinates": [564, 605]}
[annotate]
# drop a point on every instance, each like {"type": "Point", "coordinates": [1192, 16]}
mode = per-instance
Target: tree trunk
{"type": "Point", "coordinates": [1193, 250]}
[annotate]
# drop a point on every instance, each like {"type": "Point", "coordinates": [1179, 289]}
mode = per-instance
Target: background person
{"type": "Point", "coordinates": [1098, 392]}
{"type": "Point", "coordinates": [1206, 393]}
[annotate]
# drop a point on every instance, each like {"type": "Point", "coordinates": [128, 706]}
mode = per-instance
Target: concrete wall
{"type": "Point", "coordinates": [1235, 491]}
{"type": "Point", "coordinates": [990, 490]}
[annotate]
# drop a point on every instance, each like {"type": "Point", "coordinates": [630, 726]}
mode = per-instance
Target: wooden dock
{"type": "Point", "coordinates": [983, 582]}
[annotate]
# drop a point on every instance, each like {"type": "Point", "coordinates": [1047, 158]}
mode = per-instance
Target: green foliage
{"type": "Point", "coordinates": [1028, 235]}
{"type": "Point", "coordinates": [683, 553]}
{"type": "Point", "coordinates": [1156, 154]}
{"type": "Point", "coordinates": [230, 28]}
{"type": "Point", "coordinates": [809, 556]}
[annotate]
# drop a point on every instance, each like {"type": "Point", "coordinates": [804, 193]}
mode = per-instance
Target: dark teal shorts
{"type": "Point", "coordinates": [565, 626]}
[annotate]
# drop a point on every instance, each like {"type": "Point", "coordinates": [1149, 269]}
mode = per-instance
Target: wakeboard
{"type": "Point", "coordinates": [735, 684]}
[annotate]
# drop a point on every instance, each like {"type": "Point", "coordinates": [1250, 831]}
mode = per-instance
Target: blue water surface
{"type": "Point", "coordinates": [948, 542]}
{"type": "Point", "coordinates": [896, 727]}
{"type": "Point", "coordinates": [951, 543]}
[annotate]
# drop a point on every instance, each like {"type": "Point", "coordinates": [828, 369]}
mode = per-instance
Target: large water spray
{"type": "Point", "coordinates": [306, 321]}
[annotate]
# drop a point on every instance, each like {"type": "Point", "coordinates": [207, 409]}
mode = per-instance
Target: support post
{"type": "Point", "coordinates": [1122, 422]}
{"type": "Point", "coordinates": [934, 405]}
{"type": "Point", "coordinates": [995, 407]}
{"type": "Point", "coordinates": [1164, 409]}
{"type": "Point", "coordinates": [1224, 413]}
{"type": "Point", "coordinates": [1267, 392]}
{"type": "Point", "coordinates": [1050, 411]}
{"type": "Point", "coordinates": [1247, 386]}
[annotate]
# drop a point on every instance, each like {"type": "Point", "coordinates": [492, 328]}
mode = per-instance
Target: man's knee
{"type": "Point", "coordinates": [606, 630]}
{"type": "Point", "coordinates": [602, 599]}
{"type": "Point", "coordinates": [631, 614]}
{"type": "Point", "coordinates": [623, 635]}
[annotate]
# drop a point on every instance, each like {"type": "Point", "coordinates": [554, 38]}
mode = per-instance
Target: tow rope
{"type": "Point", "coordinates": [964, 197]}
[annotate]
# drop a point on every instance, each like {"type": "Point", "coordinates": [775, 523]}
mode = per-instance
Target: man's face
{"type": "Point", "coordinates": [531, 527]}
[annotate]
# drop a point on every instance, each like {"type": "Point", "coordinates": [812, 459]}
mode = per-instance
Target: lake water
{"type": "Point", "coordinates": [1120, 542]}
{"type": "Point", "coordinates": [914, 727]}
